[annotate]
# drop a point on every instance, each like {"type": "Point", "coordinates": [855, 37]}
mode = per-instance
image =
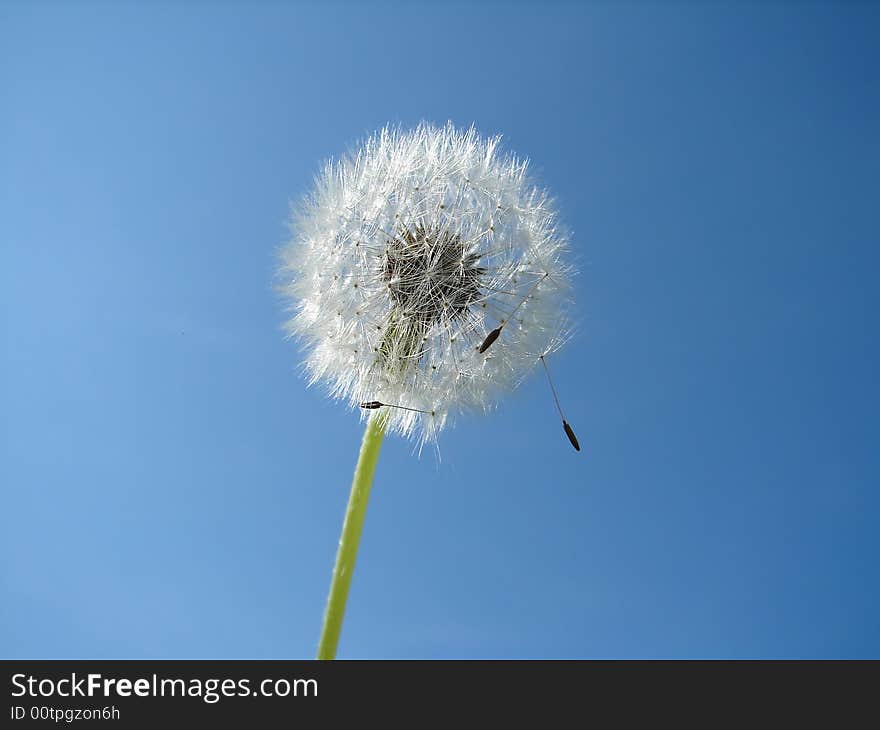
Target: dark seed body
{"type": "Point", "coordinates": [490, 338]}
{"type": "Point", "coordinates": [571, 436]}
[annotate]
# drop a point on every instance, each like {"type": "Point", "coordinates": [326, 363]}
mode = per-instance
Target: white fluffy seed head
{"type": "Point", "coordinates": [405, 256]}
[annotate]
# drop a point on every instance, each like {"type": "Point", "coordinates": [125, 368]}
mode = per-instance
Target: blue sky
{"type": "Point", "coordinates": [171, 488]}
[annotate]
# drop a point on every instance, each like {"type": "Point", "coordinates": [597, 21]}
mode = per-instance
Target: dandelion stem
{"type": "Point", "coordinates": [351, 536]}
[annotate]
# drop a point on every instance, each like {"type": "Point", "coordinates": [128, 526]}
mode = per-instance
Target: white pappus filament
{"type": "Point", "coordinates": [406, 256]}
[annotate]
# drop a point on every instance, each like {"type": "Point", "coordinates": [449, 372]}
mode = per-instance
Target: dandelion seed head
{"type": "Point", "coordinates": [403, 258]}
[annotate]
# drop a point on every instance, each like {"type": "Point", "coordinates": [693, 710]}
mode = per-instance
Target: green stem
{"type": "Point", "coordinates": [351, 536]}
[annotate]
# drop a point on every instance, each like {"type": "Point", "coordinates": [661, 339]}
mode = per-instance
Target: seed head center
{"type": "Point", "coordinates": [430, 275]}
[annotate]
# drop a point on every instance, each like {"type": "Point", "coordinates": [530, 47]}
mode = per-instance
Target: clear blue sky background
{"type": "Point", "coordinates": [171, 488]}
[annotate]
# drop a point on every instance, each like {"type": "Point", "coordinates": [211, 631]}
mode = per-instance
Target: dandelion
{"type": "Point", "coordinates": [426, 276]}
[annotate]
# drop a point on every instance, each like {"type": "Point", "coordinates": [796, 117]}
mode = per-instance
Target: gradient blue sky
{"type": "Point", "coordinates": [171, 488]}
